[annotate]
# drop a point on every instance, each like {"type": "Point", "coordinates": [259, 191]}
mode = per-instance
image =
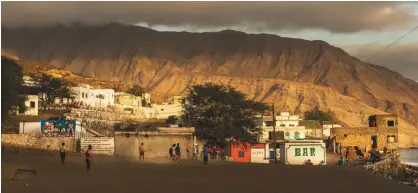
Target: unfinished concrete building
{"type": "Point", "coordinates": [381, 133]}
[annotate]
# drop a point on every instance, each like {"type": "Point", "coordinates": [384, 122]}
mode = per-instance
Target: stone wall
{"type": "Point", "coordinates": [126, 146]}
{"type": "Point", "coordinates": [32, 142]}
{"type": "Point", "coordinates": [382, 120]}
{"type": "Point", "coordinates": [105, 115]}
{"type": "Point", "coordinates": [362, 137]}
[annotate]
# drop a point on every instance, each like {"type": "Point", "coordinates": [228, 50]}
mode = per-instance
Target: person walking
{"type": "Point", "coordinates": [205, 153]}
{"type": "Point", "coordinates": [178, 152]}
{"type": "Point", "coordinates": [170, 152]}
{"type": "Point", "coordinates": [142, 152]}
{"type": "Point", "coordinates": [89, 157]}
{"type": "Point", "coordinates": [62, 153]}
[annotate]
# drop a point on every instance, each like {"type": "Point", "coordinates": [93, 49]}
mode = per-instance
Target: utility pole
{"type": "Point", "coordinates": [274, 136]}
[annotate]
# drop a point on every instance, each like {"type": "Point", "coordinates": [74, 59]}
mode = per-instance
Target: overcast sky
{"type": "Point", "coordinates": [360, 28]}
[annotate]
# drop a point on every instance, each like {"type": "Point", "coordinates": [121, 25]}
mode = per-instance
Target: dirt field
{"type": "Point", "coordinates": [118, 175]}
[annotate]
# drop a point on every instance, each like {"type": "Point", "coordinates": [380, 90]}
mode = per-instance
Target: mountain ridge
{"type": "Point", "coordinates": [134, 54]}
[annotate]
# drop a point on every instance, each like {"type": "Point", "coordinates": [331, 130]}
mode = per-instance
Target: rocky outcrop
{"type": "Point", "coordinates": [392, 168]}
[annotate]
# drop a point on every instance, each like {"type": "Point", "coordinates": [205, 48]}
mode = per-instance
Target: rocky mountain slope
{"type": "Point", "coordinates": [295, 73]}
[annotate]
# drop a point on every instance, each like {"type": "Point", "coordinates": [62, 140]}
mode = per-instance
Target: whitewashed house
{"type": "Point", "coordinates": [327, 126]}
{"type": "Point", "coordinates": [163, 111]}
{"type": "Point", "coordinates": [99, 98]}
{"type": "Point", "coordinates": [82, 94]}
{"type": "Point", "coordinates": [31, 105]}
{"type": "Point", "coordinates": [287, 127]}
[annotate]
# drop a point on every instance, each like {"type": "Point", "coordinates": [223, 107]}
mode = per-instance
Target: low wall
{"type": "Point", "coordinates": [156, 146]}
{"type": "Point", "coordinates": [33, 142]}
{"type": "Point", "coordinates": [30, 127]}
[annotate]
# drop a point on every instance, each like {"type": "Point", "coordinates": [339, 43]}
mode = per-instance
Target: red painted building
{"type": "Point", "coordinates": [241, 152]}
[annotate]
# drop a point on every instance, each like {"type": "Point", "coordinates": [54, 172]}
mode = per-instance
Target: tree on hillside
{"type": "Point", "coordinates": [317, 114]}
{"type": "Point", "coordinates": [12, 90]}
{"type": "Point", "coordinates": [219, 113]}
{"type": "Point", "coordinates": [52, 87]}
{"type": "Point", "coordinates": [136, 90]}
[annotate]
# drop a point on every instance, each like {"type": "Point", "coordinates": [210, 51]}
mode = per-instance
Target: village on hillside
{"type": "Point", "coordinates": [116, 123]}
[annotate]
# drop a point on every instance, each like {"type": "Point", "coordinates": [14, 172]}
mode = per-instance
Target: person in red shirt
{"type": "Point", "coordinates": [89, 157]}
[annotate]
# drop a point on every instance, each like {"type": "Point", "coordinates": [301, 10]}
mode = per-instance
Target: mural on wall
{"type": "Point", "coordinates": [55, 128]}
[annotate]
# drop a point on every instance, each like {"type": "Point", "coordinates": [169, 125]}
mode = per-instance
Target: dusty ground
{"type": "Point", "coordinates": [118, 175]}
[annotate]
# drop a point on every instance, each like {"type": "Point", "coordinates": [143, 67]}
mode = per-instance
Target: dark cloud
{"type": "Point", "coordinates": [399, 58]}
{"type": "Point", "coordinates": [332, 16]}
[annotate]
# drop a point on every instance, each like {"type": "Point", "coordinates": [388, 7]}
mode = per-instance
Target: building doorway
{"type": "Point", "coordinates": [374, 141]}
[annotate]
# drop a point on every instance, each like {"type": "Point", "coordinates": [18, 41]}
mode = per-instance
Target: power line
{"type": "Point", "coordinates": [391, 44]}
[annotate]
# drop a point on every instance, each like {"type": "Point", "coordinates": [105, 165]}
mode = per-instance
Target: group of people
{"type": "Point", "coordinates": [309, 162]}
{"type": "Point", "coordinates": [175, 152]}
{"type": "Point", "coordinates": [87, 153]}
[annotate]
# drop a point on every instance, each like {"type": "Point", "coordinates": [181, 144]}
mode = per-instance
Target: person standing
{"type": "Point", "coordinates": [194, 152]}
{"type": "Point", "coordinates": [205, 155]}
{"type": "Point", "coordinates": [347, 154]}
{"type": "Point", "coordinates": [89, 157]}
{"type": "Point", "coordinates": [142, 152]}
{"type": "Point", "coordinates": [62, 153]}
{"type": "Point", "coordinates": [178, 152]}
{"type": "Point", "coordinates": [173, 150]}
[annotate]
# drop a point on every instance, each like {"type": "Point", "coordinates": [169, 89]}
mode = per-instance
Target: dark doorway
{"type": "Point", "coordinates": [374, 141]}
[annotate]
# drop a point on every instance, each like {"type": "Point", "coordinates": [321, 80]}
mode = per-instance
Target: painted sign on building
{"type": "Point", "coordinates": [100, 145]}
{"type": "Point", "coordinates": [55, 128]}
{"type": "Point", "coordinates": [298, 153]}
{"type": "Point", "coordinates": [258, 154]}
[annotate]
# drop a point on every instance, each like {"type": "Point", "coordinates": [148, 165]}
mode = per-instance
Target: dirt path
{"type": "Point", "coordinates": [113, 174]}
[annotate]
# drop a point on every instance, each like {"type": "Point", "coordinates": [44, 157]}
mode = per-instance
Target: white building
{"type": "Point", "coordinates": [163, 111]}
{"type": "Point", "coordinates": [31, 105]}
{"type": "Point", "coordinates": [82, 94]}
{"type": "Point", "coordinates": [287, 127]}
{"type": "Point", "coordinates": [99, 98]}
{"type": "Point", "coordinates": [146, 99]}
{"type": "Point", "coordinates": [327, 126]}
{"type": "Point", "coordinates": [102, 98]}
{"type": "Point", "coordinates": [300, 151]}
{"type": "Point", "coordinates": [29, 82]}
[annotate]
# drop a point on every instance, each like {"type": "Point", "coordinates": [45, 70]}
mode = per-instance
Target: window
{"type": "Point", "coordinates": [391, 139]}
{"type": "Point", "coordinates": [282, 125]}
{"type": "Point", "coordinates": [162, 109]}
{"type": "Point", "coordinates": [391, 123]}
{"type": "Point", "coordinates": [82, 95]}
{"type": "Point", "coordinates": [32, 104]}
{"type": "Point", "coordinates": [287, 134]}
{"type": "Point", "coordinates": [241, 154]}
{"type": "Point", "coordinates": [297, 135]}
{"type": "Point", "coordinates": [268, 123]}
{"type": "Point", "coordinates": [291, 125]}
